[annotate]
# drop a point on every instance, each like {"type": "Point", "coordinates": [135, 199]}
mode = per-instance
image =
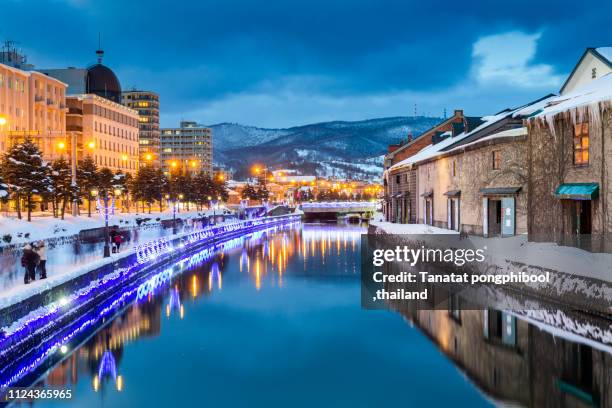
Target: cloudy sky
{"type": "Point", "coordinates": [280, 63]}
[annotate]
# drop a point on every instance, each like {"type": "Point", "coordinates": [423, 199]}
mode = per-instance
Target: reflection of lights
{"type": "Point", "coordinates": [143, 291]}
{"type": "Point", "coordinates": [194, 285]}
{"type": "Point", "coordinates": [96, 383]}
{"type": "Point", "coordinates": [120, 383]}
{"type": "Point", "coordinates": [182, 311]}
{"type": "Point", "coordinates": [257, 274]}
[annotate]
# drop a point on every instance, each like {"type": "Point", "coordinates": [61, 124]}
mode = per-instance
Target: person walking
{"type": "Point", "coordinates": [117, 241]}
{"type": "Point", "coordinates": [112, 235]}
{"type": "Point", "coordinates": [41, 250]}
{"type": "Point", "coordinates": [29, 260]}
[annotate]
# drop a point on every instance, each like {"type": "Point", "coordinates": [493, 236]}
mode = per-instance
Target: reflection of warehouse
{"type": "Point", "coordinates": [515, 362]}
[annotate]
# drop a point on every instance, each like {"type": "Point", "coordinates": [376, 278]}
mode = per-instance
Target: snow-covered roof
{"type": "Point", "coordinates": [605, 52]}
{"type": "Point", "coordinates": [521, 131]}
{"type": "Point", "coordinates": [598, 90]}
{"type": "Point", "coordinates": [435, 149]}
{"type": "Point", "coordinates": [297, 179]}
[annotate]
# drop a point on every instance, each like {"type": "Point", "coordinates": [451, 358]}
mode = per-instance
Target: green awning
{"type": "Point", "coordinates": [577, 191]}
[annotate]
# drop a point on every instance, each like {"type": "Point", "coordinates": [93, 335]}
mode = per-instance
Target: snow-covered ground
{"type": "Point", "coordinates": [547, 255]}
{"type": "Point", "coordinates": [399, 229]}
{"type": "Point", "coordinates": [66, 270]}
{"type": "Point", "coordinates": [45, 226]}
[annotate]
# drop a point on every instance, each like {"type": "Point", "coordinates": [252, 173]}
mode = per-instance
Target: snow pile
{"type": "Point", "coordinates": [400, 229]}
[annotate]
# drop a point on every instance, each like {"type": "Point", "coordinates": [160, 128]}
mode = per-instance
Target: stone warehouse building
{"type": "Point", "coordinates": [400, 184]}
{"type": "Point", "coordinates": [474, 181]}
{"type": "Point", "coordinates": [570, 152]}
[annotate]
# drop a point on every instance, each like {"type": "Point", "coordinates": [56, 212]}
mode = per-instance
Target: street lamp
{"type": "Point", "coordinates": [258, 170]}
{"type": "Point", "coordinates": [106, 210]}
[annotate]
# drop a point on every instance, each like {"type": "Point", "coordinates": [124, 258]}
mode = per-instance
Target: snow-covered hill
{"type": "Point", "coordinates": [339, 149]}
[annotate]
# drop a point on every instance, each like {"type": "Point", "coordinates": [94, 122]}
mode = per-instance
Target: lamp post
{"type": "Point", "coordinates": [173, 212]}
{"type": "Point", "coordinates": [106, 211]}
{"type": "Point", "coordinates": [258, 170]}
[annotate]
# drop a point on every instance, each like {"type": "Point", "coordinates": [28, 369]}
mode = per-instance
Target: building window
{"type": "Point", "coordinates": [594, 73]}
{"type": "Point", "coordinates": [581, 143]}
{"type": "Point", "coordinates": [454, 168]}
{"type": "Point", "coordinates": [398, 179]}
{"type": "Point", "coordinates": [496, 159]}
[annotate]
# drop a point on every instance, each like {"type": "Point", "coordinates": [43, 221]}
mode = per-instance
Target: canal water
{"type": "Point", "coordinates": [276, 321]}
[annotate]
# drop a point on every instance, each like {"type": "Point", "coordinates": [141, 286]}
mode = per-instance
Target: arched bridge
{"type": "Point", "coordinates": [330, 210]}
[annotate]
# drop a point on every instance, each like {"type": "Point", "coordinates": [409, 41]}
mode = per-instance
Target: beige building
{"type": "Point", "coordinates": [146, 103]}
{"type": "Point", "coordinates": [106, 130]}
{"type": "Point", "coordinates": [32, 105]}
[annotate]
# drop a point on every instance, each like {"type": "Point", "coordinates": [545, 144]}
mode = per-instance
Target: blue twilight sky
{"type": "Point", "coordinates": [281, 63]}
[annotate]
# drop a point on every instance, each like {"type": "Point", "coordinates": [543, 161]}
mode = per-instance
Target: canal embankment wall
{"type": "Point", "coordinates": [129, 265]}
{"type": "Point", "coordinates": [577, 279]}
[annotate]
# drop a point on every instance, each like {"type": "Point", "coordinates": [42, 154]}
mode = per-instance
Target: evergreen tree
{"type": "Point", "coordinates": [105, 182]}
{"type": "Point", "coordinates": [26, 174]}
{"type": "Point", "coordinates": [3, 190]}
{"type": "Point", "coordinates": [262, 192]}
{"type": "Point", "coordinates": [203, 187]}
{"type": "Point", "coordinates": [249, 192]}
{"type": "Point", "coordinates": [87, 179]}
{"type": "Point", "coordinates": [220, 190]}
{"type": "Point", "coordinates": [147, 186]}
{"type": "Point", "coordinates": [61, 188]}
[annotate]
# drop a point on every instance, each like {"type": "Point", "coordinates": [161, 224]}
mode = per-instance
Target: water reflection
{"type": "Point", "coordinates": [514, 361]}
{"type": "Point", "coordinates": [506, 358]}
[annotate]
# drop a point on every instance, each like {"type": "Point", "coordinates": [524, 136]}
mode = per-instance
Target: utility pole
{"type": "Point", "coordinates": [73, 168]}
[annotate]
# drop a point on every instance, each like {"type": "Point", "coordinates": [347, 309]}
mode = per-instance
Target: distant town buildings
{"type": "Point", "coordinates": [187, 148]}
{"type": "Point", "coordinates": [147, 105]}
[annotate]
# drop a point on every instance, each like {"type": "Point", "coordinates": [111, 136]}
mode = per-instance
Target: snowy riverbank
{"type": "Point", "coordinates": [46, 227]}
{"type": "Point", "coordinates": [517, 249]}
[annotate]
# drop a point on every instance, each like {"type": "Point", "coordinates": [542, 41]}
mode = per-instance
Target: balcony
{"type": "Point", "coordinates": [74, 128]}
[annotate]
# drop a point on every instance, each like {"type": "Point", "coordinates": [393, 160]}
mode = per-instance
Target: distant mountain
{"type": "Point", "coordinates": [338, 149]}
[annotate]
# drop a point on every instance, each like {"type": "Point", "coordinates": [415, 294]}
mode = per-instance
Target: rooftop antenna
{"type": "Point", "coordinates": [99, 51]}
{"type": "Point", "coordinates": [444, 113]}
{"type": "Point", "coordinates": [415, 110]}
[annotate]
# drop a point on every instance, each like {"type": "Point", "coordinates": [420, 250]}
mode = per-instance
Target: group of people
{"type": "Point", "coordinates": [34, 257]}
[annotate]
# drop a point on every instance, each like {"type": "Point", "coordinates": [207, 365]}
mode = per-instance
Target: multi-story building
{"type": "Point", "coordinates": [187, 148]}
{"type": "Point", "coordinates": [147, 105]}
{"type": "Point", "coordinates": [106, 130]}
{"type": "Point", "coordinates": [32, 105]}
{"type": "Point", "coordinates": [101, 126]}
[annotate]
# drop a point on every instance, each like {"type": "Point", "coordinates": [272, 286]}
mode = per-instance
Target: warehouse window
{"type": "Point", "coordinates": [496, 159]}
{"type": "Point", "coordinates": [581, 143]}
